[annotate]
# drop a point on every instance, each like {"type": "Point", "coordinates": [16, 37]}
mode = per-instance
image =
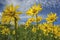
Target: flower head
{"type": "Point", "coordinates": [9, 13]}
{"type": "Point", "coordinates": [31, 20]}
{"type": "Point", "coordinates": [56, 30]}
{"type": "Point", "coordinates": [38, 19]}
{"type": "Point", "coordinates": [34, 29]}
{"type": "Point", "coordinates": [51, 17]}
{"type": "Point", "coordinates": [5, 31]}
{"type": "Point", "coordinates": [34, 10]}
{"type": "Point", "coordinates": [45, 27]}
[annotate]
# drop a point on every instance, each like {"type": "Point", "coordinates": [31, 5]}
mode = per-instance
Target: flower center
{"type": "Point", "coordinates": [51, 19]}
{"type": "Point", "coordinates": [34, 11]}
{"type": "Point", "coordinates": [12, 13]}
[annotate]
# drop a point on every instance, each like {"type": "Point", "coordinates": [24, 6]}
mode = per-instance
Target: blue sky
{"type": "Point", "coordinates": [47, 5]}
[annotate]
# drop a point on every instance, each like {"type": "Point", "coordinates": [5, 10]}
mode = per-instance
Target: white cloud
{"type": "Point", "coordinates": [24, 4]}
{"type": "Point", "coordinates": [12, 1]}
{"type": "Point", "coordinates": [23, 17]}
{"type": "Point", "coordinates": [21, 22]}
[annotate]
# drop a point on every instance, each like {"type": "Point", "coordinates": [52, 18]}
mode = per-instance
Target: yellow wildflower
{"type": "Point", "coordinates": [31, 20]}
{"type": "Point", "coordinates": [58, 34]}
{"type": "Point", "coordinates": [56, 31]}
{"type": "Point", "coordinates": [46, 28]}
{"type": "Point", "coordinates": [40, 25]}
{"type": "Point", "coordinates": [9, 13]}
{"type": "Point", "coordinates": [5, 31]}
{"type": "Point", "coordinates": [34, 10]}
{"type": "Point", "coordinates": [34, 29]}
{"type": "Point", "coordinates": [38, 19]}
{"type": "Point", "coordinates": [8, 9]}
{"type": "Point", "coordinates": [27, 24]}
{"type": "Point", "coordinates": [51, 17]}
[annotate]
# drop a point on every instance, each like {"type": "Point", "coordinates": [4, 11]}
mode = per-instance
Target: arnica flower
{"type": "Point", "coordinates": [57, 34]}
{"type": "Point", "coordinates": [45, 28]}
{"type": "Point", "coordinates": [30, 20]}
{"type": "Point", "coordinates": [9, 13]}
{"type": "Point", "coordinates": [34, 29]}
{"type": "Point", "coordinates": [34, 10]}
{"type": "Point", "coordinates": [51, 17]}
{"type": "Point", "coordinates": [27, 24]}
{"type": "Point", "coordinates": [5, 31]}
{"type": "Point", "coordinates": [56, 31]}
{"type": "Point", "coordinates": [38, 19]}
{"type": "Point", "coordinates": [40, 25]}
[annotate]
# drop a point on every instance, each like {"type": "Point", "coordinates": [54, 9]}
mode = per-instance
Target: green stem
{"type": "Point", "coordinates": [37, 38]}
{"type": "Point", "coordinates": [16, 38]}
{"type": "Point", "coordinates": [53, 32]}
{"type": "Point", "coordinates": [36, 21]}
